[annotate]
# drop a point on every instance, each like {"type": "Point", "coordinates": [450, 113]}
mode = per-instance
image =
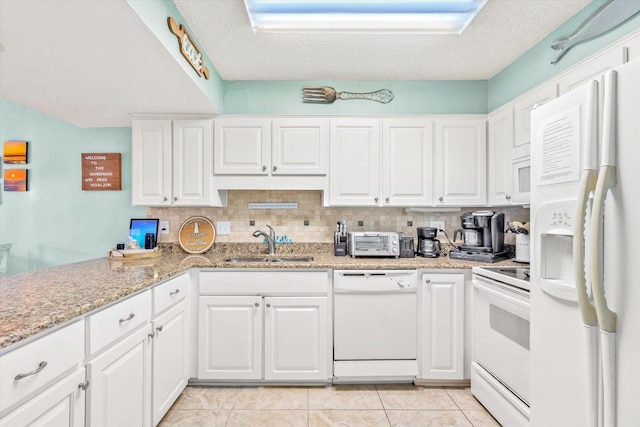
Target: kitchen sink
{"type": "Point", "coordinates": [264, 259]}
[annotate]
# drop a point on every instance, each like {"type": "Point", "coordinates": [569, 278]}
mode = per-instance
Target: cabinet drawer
{"type": "Point", "coordinates": [108, 325]}
{"type": "Point", "coordinates": [170, 293]}
{"type": "Point", "coordinates": [41, 361]}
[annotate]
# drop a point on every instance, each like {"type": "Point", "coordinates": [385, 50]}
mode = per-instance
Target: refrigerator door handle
{"type": "Point", "coordinates": [606, 317]}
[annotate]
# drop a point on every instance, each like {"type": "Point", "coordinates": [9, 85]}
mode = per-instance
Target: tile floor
{"type": "Point", "coordinates": [342, 405]}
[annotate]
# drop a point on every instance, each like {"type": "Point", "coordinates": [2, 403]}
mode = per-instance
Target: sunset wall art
{"type": "Point", "coordinates": [15, 180]}
{"type": "Point", "coordinates": [15, 152]}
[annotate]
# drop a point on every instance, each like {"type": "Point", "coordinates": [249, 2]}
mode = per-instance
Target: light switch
{"type": "Point", "coordinates": [223, 228]}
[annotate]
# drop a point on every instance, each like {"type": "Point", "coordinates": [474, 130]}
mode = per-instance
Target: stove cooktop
{"type": "Point", "coordinates": [515, 276]}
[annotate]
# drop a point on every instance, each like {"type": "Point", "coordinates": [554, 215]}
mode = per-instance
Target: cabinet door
{"type": "Point", "coordinates": [500, 182]}
{"type": "Point", "coordinates": [521, 173]}
{"type": "Point", "coordinates": [61, 405]}
{"type": "Point", "coordinates": [354, 169]}
{"type": "Point", "coordinates": [170, 370]}
{"type": "Point", "coordinates": [120, 383]}
{"type": "Point", "coordinates": [591, 69]}
{"type": "Point", "coordinates": [461, 162]}
{"type": "Point", "coordinates": [192, 162]}
{"type": "Point", "coordinates": [443, 326]}
{"type": "Point", "coordinates": [242, 146]}
{"type": "Point", "coordinates": [296, 334]}
{"type": "Point", "coordinates": [299, 147]}
{"type": "Point", "coordinates": [522, 117]}
{"type": "Point", "coordinates": [230, 338]}
{"type": "Point", "coordinates": [633, 48]}
{"type": "Point", "coordinates": [151, 163]}
{"type": "Point", "coordinates": [407, 166]}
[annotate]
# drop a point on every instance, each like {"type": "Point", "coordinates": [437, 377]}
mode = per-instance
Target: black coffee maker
{"type": "Point", "coordinates": [428, 245]}
{"type": "Point", "coordinates": [483, 237]}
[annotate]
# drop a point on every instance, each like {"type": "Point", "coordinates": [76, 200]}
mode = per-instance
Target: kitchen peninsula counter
{"type": "Point", "coordinates": [39, 301]}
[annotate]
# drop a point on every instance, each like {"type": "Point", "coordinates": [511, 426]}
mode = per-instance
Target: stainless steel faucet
{"type": "Point", "coordinates": [271, 238]}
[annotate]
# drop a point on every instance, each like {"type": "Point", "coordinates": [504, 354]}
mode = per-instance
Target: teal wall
{"type": "Point", "coordinates": [534, 66]}
{"type": "Point", "coordinates": [55, 222]}
{"type": "Point", "coordinates": [410, 97]}
{"type": "Point", "coordinates": [154, 14]}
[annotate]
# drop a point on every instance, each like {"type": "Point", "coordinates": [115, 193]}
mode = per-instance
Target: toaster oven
{"type": "Point", "coordinates": [373, 244]}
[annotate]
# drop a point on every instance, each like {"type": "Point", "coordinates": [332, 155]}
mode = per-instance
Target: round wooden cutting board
{"type": "Point", "coordinates": [197, 235]}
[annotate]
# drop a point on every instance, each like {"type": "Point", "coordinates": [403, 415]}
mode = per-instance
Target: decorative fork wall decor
{"type": "Point", "coordinates": [326, 95]}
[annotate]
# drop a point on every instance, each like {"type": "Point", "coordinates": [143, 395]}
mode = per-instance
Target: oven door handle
{"type": "Point", "coordinates": [501, 295]}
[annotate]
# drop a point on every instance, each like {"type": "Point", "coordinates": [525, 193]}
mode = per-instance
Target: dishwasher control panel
{"type": "Point", "coordinates": [375, 280]}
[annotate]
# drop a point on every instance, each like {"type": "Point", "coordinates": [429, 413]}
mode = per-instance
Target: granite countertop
{"type": "Point", "coordinates": [33, 302]}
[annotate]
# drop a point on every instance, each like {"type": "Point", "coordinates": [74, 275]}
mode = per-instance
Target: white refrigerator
{"type": "Point", "coordinates": [585, 290]}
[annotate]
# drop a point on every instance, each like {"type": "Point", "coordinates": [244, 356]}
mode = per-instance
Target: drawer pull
{"type": "Point", "coordinates": [176, 292]}
{"type": "Point", "coordinates": [84, 385]}
{"type": "Point", "coordinates": [40, 367]}
{"type": "Point", "coordinates": [159, 328]}
{"type": "Point", "coordinates": [131, 316]}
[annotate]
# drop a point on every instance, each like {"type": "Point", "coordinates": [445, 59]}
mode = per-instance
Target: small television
{"type": "Point", "coordinates": [139, 227]}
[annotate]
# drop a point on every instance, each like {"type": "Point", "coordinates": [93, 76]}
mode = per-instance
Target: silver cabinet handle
{"type": "Point", "coordinates": [268, 305]}
{"type": "Point", "coordinates": [275, 168]}
{"type": "Point", "coordinates": [40, 367]}
{"type": "Point", "coordinates": [84, 385]}
{"type": "Point", "coordinates": [151, 335]}
{"type": "Point", "coordinates": [264, 168]}
{"type": "Point", "coordinates": [508, 197]}
{"type": "Point", "coordinates": [176, 292]}
{"type": "Point", "coordinates": [441, 198]}
{"type": "Point", "coordinates": [427, 281]}
{"type": "Point", "coordinates": [165, 198]}
{"type": "Point", "coordinates": [126, 319]}
{"type": "Point", "coordinates": [159, 328]}
{"type": "Point", "coordinates": [175, 198]}
{"type": "Point", "coordinates": [257, 305]}
{"type": "Point", "coordinates": [386, 200]}
{"type": "Point", "coordinates": [375, 200]}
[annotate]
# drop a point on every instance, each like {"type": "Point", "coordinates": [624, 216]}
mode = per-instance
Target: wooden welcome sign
{"type": "Point", "coordinates": [101, 171]}
{"type": "Point", "coordinates": [188, 48]}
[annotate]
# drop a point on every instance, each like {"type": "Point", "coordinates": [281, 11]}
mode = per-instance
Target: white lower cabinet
{"type": "Point", "coordinates": [170, 367]}
{"type": "Point", "coordinates": [230, 337]}
{"type": "Point", "coordinates": [120, 385]}
{"type": "Point", "coordinates": [296, 334]}
{"type": "Point", "coordinates": [61, 405]}
{"type": "Point", "coordinates": [295, 339]}
{"type": "Point", "coordinates": [442, 326]}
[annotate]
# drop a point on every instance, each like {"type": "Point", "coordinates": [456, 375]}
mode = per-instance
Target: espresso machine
{"type": "Point", "coordinates": [482, 235]}
{"type": "Point", "coordinates": [428, 245]}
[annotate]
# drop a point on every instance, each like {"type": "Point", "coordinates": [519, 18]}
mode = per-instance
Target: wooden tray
{"type": "Point", "coordinates": [134, 254]}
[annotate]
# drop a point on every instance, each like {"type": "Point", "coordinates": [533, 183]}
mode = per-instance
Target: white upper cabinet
{"type": "Point", "coordinates": [500, 182]}
{"type": "Point", "coordinates": [591, 69]}
{"type": "Point", "coordinates": [192, 159]}
{"type": "Point", "coordinates": [461, 162]}
{"type": "Point", "coordinates": [172, 162]}
{"type": "Point", "coordinates": [407, 162]}
{"type": "Point", "coordinates": [632, 48]}
{"type": "Point", "coordinates": [299, 147]}
{"type": "Point", "coordinates": [242, 146]}
{"type": "Point", "coordinates": [354, 168]}
{"type": "Point", "coordinates": [287, 146]}
{"type": "Point", "coordinates": [522, 117]}
{"type": "Point", "coordinates": [151, 156]}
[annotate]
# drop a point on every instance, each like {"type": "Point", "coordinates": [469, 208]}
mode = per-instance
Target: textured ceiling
{"type": "Point", "coordinates": [502, 31]}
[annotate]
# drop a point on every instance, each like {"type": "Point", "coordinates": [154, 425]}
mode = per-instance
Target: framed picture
{"type": "Point", "coordinates": [15, 153]}
{"type": "Point", "coordinates": [15, 179]}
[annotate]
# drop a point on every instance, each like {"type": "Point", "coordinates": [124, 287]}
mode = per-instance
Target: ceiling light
{"type": "Point", "coordinates": [362, 16]}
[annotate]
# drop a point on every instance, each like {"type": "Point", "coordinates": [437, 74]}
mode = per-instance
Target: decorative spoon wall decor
{"type": "Point", "coordinates": [326, 95]}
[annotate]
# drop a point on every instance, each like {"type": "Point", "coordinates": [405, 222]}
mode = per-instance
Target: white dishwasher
{"type": "Point", "coordinates": [375, 325]}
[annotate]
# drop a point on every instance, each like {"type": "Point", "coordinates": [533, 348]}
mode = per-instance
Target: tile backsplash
{"type": "Point", "coordinates": [321, 220]}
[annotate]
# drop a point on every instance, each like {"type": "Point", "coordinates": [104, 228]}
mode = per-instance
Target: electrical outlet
{"type": "Point", "coordinates": [223, 228]}
{"type": "Point", "coordinates": [164, 227]}
{"type": "Point", "coordinates": [439, 225]}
